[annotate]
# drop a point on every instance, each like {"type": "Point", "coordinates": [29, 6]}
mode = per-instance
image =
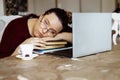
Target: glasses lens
{"type": "Point", "coordinates": [51, 31]}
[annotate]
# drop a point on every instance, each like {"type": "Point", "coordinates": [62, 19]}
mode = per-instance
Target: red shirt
{"type": "Point", "coordinates": [15, 33]}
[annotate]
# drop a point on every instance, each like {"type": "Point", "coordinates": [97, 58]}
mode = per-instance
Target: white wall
{"type": "Point", "coordinates": [97, 5]}
{"type": "Point", "coordinates": [90, 6]}
{"type": "Point", "coordinates": [1, 8]}
{"type": "Point", "coordinates": [70, 5]}
{"type": "Point", "coordinates": [108, 5]}
{"type": "Point", "coordinates": [39, 6]}
{"type": "Point", "coordinates": [31, 6]}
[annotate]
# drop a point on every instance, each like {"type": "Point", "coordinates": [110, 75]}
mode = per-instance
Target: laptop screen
{"type": "Point", "coordinates": [91, 33]}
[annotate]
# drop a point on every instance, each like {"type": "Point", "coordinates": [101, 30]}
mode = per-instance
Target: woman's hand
{"type": "Point", "coordinates": [39, 43]}
{"type": "Point", "coordinates": [64, 36]}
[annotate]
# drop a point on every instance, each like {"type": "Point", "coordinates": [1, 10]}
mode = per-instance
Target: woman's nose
{"type": "Point", "coordinates": [45, 30]}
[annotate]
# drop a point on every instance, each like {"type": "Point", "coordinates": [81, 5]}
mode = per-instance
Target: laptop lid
{"type": "Point", "coordinates": [91, 33]}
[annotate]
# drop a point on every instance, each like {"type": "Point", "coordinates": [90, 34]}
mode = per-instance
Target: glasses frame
{"type": "Point", "coordinates": [46, 29]}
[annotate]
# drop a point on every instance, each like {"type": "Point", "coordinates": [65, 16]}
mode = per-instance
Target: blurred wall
{"type": "Point", "coordinates": [1, 8]}
{"type": "Point", "coordinates": [39, 6]}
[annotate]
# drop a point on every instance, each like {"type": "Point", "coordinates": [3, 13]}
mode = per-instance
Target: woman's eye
{"type": "Point", "coordinates": [46, 22]}
{"type": "Point", "coordinates": [52, 32]}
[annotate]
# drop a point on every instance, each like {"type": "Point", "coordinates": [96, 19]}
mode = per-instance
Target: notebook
{"type": "Point", "coordinates": [91, 33]}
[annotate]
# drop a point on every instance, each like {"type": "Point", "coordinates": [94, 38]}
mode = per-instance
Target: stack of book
{"type": "Point", "coordinates": [51, 44]}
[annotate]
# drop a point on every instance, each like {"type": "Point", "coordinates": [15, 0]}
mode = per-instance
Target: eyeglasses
{"type": "Point", "coordinates": [45, 27]}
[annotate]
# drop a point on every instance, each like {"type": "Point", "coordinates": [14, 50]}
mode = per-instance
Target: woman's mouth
{"type": "Point", "coordinates": [40, 34]}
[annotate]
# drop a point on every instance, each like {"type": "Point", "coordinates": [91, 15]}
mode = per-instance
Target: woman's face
{"type": "Point", "coordinates": [47, 26]}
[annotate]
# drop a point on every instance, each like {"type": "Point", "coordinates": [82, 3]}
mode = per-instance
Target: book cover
{"type": "Point", "coordinates": [51, 50]}
{"type": "Point", "coordinates": [53, 46]}
{"type": "Point", "coordinates": [56, 42]}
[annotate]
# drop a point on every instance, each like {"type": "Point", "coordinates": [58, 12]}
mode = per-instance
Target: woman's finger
{"type": "Point", "coordinates": [40, 45]}
{"type": "Point", "coordinates": [38, 40]}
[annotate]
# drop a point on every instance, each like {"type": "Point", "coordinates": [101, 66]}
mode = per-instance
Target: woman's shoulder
{"type": "Point", "coordinates": [23, 19]}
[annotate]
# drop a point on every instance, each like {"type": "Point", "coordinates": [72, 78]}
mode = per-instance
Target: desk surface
{"type": "Point", "coordinates": [104, 66]}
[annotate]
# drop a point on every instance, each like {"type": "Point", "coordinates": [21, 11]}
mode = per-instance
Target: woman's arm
{"type": "Point", "coordinates": [39, 43]}
{"type": "Point", "coordinates": [65, 36]}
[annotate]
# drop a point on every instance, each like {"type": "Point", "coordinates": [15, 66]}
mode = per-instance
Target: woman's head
{"type": "Point", "coordinates": [65, 17]}
{"type": "Point", "coordinates": [52, 22]}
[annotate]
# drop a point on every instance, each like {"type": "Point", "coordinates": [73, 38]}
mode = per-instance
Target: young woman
{"type": "Point", "coordinates": [51, 25]}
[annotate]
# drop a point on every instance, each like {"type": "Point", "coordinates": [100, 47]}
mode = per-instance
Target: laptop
{"type": "Point", "coordinates": [91, 33]}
